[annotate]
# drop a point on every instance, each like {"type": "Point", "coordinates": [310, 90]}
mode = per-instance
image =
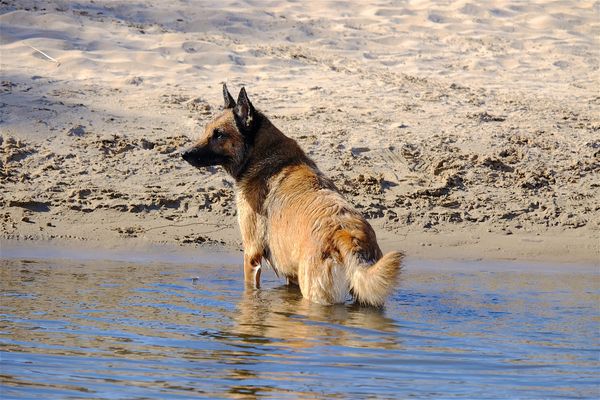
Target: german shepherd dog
{"type": "Point", "coordinates": [290, 214]}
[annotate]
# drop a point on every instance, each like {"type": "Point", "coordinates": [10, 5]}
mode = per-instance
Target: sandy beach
{"type": "Point", "coordinates": [462, 130]}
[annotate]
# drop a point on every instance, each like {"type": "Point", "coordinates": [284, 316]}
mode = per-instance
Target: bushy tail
{"type": "Point", "coordinates": [371, 284]}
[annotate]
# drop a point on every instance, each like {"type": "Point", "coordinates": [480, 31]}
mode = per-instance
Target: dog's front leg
{"type": "Point", "coordinates": [253, 234]}
{"type": "Point", "coordinates": [252, 269]}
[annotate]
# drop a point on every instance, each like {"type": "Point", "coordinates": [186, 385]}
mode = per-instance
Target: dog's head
{"type": "Point", "coordinates": [227, 138]}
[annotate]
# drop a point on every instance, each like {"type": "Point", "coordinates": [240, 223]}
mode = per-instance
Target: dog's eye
{"type": "Point", "coordinates": [219, 134]}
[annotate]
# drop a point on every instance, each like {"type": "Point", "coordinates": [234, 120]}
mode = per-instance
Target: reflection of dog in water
{"type": "Point", "coordinates": [290, 214]}
{"type": "Point", "coordinates": [282, 315]}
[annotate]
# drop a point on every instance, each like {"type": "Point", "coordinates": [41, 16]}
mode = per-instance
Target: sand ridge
{"type": "Point", "coordinates": [455, 127]}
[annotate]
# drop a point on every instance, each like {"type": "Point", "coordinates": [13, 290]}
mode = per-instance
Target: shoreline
{"type": "Point", "coordinates": [566, 249]}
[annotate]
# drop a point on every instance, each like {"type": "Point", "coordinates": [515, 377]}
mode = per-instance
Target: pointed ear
{"type": "Point", "coordinates": [244, 111]}
{"type": "Point", "coordinates": [228, 98]}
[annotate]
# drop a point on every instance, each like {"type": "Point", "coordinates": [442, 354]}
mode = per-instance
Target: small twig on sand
{"type": "Point", "coordinates": [46, 55]}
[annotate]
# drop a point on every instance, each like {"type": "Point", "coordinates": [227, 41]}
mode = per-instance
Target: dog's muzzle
{"type": "Point", "coordinates": [202, 157]}
{"type": "Point", "coordinates": [190, 155]}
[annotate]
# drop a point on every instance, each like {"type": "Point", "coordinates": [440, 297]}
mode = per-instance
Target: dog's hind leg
{"type": "Point", "coordinates": [323, 281]}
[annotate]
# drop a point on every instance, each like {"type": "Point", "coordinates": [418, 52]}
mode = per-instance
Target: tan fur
{"type": "Point", "coordinates": [294, 217]}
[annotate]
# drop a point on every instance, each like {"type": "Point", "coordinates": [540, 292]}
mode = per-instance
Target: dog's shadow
{"type": "Point", "coordinates": [281, 314]}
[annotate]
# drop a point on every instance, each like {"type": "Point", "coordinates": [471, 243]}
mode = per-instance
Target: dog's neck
{"type": "Point", "coordinates": [270, 152]}
{"type": "Point", "coordinates": [241, 169]}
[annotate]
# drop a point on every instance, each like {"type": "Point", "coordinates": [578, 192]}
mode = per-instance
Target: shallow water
{"type": "Point", "coordinates": [107, 329]}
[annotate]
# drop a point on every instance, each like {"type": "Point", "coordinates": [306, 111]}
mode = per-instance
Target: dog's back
{"type": "Point", "coordinates": [319, 238]}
